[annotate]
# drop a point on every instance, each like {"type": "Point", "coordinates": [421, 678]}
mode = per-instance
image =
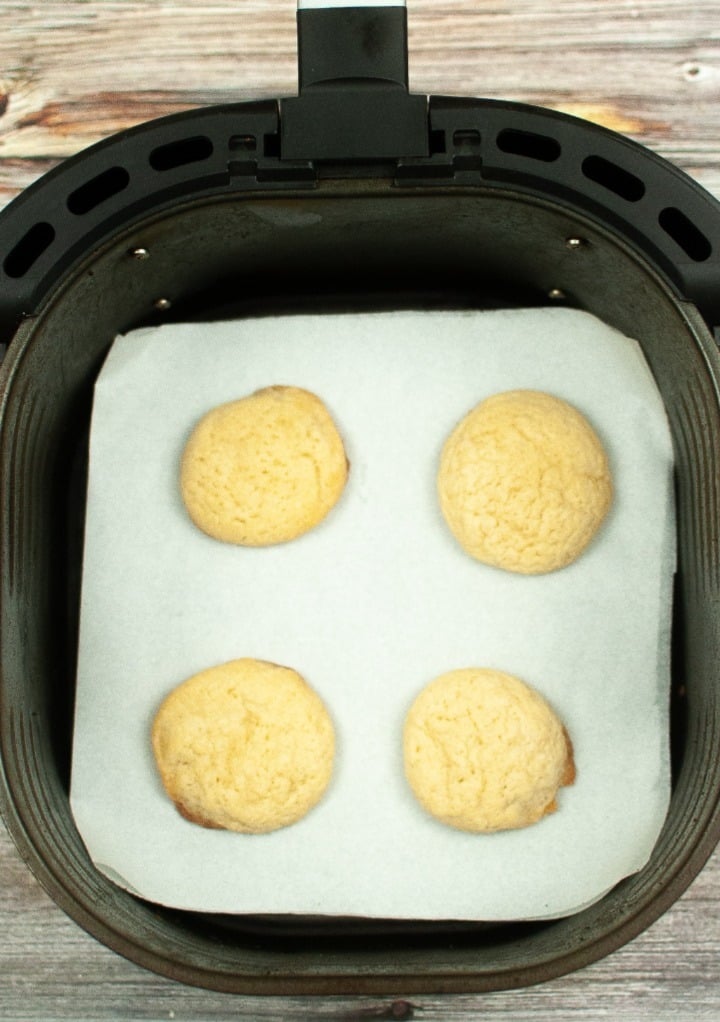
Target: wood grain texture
{"type": "Point", "coordinates": [73, 72]}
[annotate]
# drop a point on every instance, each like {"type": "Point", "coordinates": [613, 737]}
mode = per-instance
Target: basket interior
{"type": "Point", "coordinates": [345, 246]}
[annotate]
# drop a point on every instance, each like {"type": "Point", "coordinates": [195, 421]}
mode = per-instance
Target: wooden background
{"type": "Point", "coordinates": [74, 71]}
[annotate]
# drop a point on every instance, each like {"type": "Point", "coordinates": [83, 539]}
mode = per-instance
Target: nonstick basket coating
{"type": "Point", "coordinates": [350, 243]}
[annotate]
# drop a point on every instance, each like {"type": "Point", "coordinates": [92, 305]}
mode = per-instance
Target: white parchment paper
{"type": "Point", "coordinates": [369, 607]}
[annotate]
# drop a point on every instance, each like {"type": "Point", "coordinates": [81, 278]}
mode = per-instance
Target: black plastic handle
{"type": "Point", "coordinates": [354, 102]}
{"type": "Point", "coordinates": [341, 44]}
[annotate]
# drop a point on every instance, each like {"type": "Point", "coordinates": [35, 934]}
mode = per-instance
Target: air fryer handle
{"type": "Point", "coordinates": [353, 78]}
{"type": "Point", "coordinates": [340, 43]}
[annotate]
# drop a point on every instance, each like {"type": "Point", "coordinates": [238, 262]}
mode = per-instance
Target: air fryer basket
{"type": "Point", "coordinates": [255, 208]}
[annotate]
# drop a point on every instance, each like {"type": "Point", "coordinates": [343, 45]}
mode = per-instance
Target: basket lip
{"type": "Point", "coordinates": [471, 152]}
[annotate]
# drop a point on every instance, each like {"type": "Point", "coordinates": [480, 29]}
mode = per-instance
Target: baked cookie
{"type": "Point", "coordinates": [484, 752]}
{"type": "Point", "coordinates": [264, 469]}
{"type": "Point", "coordinates": [245, 746]}
{"type": "Point", "coordinates": [524, 482]}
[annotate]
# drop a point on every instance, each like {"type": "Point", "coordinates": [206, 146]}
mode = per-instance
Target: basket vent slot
{"type": "Point", "coordinates": [29, 249]}
{"type": "Point", "coordinates": [243, 143]}
{"type": "Point", "coordinates": [98, 190]}
{"type": "Point", "coordinates": [467, 138]}
{"type": "Point", "coordinates": [271, 146]}
{"type": "Point", "coordinates": [179, 153]}
{"type": "Point", "coordinates": [684, 232]}
{"type": "Point", "coordinates": [529, 144]}
{"type": "Point", "coordinates": [437, 140]}
{"type": "Point", "coordinates": [617, 180]}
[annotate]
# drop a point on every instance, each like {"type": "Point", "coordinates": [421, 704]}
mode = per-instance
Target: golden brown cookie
{"type": "Point", "coordinates": [524, 482]}
{"type": "Point", "coordinates": [264, 469]}
{"type": "Point", "coordinates": [484, 752]}
{"type": "Point", "coordinates": [245, 746]}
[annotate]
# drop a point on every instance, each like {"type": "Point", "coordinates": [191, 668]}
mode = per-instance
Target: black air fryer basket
{"type": "Point", "coordinates": [418, 203]}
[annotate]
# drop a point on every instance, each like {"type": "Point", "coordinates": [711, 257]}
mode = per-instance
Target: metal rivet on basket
{"type": "Point", "coordinates": [140, 254]}
{"type": "Point", "coordinates": [162, 304]}
{"type": "Point", "coordinates": [556, 294]}
{"type": "Point", "coordinates": [575, 243]}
